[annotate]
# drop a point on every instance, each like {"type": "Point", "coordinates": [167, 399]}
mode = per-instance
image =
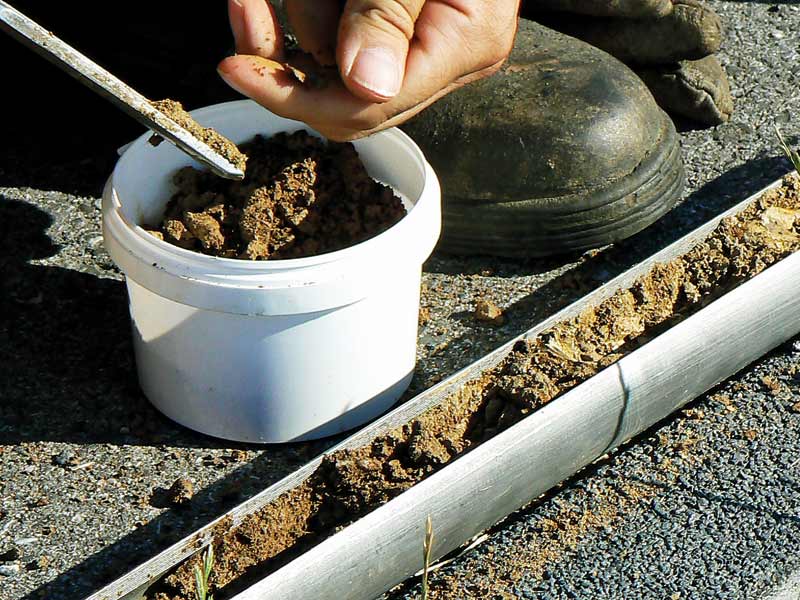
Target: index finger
{"type": "Point", "coordinates": [255, 28]}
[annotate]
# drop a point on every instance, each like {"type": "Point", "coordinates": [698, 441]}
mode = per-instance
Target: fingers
{"type": "Point", "coordinates": [333, 110]}
{"type": "Point", "coordinates": [255, 28]}
{"type": "Point", "coordinates": [450, 47]}
{"type": "Point", "coordinates": [315, 23]}
{"type": "Point", "coordinates": [373, 45]}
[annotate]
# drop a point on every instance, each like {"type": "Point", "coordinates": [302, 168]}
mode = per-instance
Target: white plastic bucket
{"type": "Point", "coordinates": [271, 351]}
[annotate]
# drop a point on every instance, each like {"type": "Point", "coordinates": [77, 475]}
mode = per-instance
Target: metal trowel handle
{"type": "Point", "coordinates": [104, 83]}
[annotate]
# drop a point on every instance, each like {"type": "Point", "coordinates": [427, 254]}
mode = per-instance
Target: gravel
{"type": "Point", "coordinates": [703, 505]}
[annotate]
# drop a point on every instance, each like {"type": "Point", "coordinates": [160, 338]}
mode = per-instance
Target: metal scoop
{"type": "Point", "coordinates": [104, 83]}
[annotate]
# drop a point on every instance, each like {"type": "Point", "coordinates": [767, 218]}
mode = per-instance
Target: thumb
{"type": "Point", "coordinates": [373, 45]}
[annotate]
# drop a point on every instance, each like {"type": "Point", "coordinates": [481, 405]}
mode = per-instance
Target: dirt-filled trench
{"type": "Point", "coordinates": [351, 483]}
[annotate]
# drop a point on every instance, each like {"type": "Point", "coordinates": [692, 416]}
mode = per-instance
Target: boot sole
{"type": "Point", "coordinates": [547, 226]}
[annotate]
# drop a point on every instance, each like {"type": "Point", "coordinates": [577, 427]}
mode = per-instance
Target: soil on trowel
{"type": "Point", "coordinates": [349, 483]}
{"type": "Point", "coordinates": [213, 139]}
{"type": "Point", "coordinates": [301, 196]}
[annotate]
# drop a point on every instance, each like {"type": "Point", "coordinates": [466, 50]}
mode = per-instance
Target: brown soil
{"type": "Point", "coordinates": [216, 141]}
{"type": "Point", "coordinates": [180, 492]}
{"type": "Point", "coordinates": [487, 311]}
{"type": "Point", "coordinates": [301, 196]}
{"type": "Point", "coordinates": [350, 483]}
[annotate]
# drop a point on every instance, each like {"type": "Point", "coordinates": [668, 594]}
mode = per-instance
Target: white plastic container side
{"type": "Point", "coordinates": [271, 351]}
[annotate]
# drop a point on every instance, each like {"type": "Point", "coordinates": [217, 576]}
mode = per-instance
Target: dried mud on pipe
{"type": "Point", "coordinates": [351, 482]}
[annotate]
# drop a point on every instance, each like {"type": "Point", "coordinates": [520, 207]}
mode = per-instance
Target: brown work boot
{"type": "Point", "coordinates": [661, 47]}
{"type": "Point", "coordinates": [563, 149]}
{"type": "Point", "coordinates": [695, 89]}
{"type": "Point", "coordinates": [689, 31]}
{"type": "Point", "coordinates": [631, 9]}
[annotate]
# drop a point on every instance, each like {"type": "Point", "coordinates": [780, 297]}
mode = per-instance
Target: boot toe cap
{"type": "Point", "coordinates": [562, 130]}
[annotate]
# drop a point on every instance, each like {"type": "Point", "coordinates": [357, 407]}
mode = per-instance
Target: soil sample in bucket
{"type": "Point", "coordinates": [301, 196]}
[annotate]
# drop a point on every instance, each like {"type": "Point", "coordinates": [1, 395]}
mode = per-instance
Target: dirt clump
{"type": "Point", "coordinates": [212, 138]}
{"type": "Point", "coordinates": [300, 197]}
{"type": "Point", "coordinates": [351, 482]}
{"type": "Point", "coordinates": [179, 494]}
{"type": "Point", "coordinates": [424, 315]}
{"type": "Point", "coordinates": [181, 491]}
{"type": "Point", "coordinates": [488, 312]}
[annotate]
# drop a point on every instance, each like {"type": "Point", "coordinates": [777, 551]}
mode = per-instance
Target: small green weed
{"type": "Point", "coordinates": [202, 576]}
{"type": "Point", "coordinates": [792, 154]}
{"type": "Point", "coordinates": [427, 546]}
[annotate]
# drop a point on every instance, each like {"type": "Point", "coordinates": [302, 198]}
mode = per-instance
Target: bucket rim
{"type": "Point", "coordinates": [294, 285]}
{"type": "Point", "coordinates": [266, 266]}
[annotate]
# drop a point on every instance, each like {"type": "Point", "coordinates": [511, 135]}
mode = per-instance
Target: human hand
{"type": "Point", "coordinates": [395, 57]}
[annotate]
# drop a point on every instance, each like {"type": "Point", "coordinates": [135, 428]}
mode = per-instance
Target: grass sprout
{"type": "Point", "coordinates": [792, 154]}
{"type": "Point", "coordinates": [203, 575]}
{"type": "Point", "coordinates": [427, 545]}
